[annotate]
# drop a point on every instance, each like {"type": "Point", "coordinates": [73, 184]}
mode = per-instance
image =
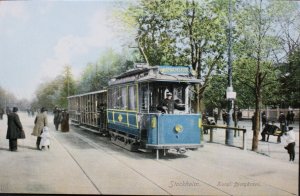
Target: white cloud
{"type": "Point", "coordinates": [14, 9]}
{"type": "Point", "coordinates": [71, 47]}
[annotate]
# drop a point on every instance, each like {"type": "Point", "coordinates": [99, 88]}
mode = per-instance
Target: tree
{"type": "Point", "coordinates": [7, 99]}
{"type": "Point", "coordinates": [214, 95]}
{"type": "Point", "coordinates": [97, 75]}
{"type": "Point", "coordinates": [47, 94]}
{"type": "Point", "coordinates": [181, 32]}
{"type": "Point", "coordinates": [289, 91]}
{"type": "Point", "coordinates": [287, 56]}
{"type": "Point", "coordinates": [67, 88]}
{"type": "Point", "coordinates": [254, 64]}
{"type": "Point", "coordinates": [55, 92]}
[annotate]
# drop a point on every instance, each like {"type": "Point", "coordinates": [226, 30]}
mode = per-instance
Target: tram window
{"type": "Point", "coordinates": [179, 93]}
{"type": "Point", "coordinates": [124, 98]}
{"type": "Point", "coordinates": [145, 97]}
{"type": "Point", "coordinates": [132, 98]}
{"type": "Point", "coordinates": [109, 94]}
{"type": "Point", "coordinates": [115, 98]}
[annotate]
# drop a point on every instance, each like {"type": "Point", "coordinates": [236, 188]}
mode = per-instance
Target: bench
{"type": "Point", "coordinates": [271, 130]}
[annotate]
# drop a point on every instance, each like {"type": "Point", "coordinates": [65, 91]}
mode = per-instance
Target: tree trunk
{"type": "Point", "coordinates": [196, 104]}
{"type": "Point", "coordinates": [256, 121]}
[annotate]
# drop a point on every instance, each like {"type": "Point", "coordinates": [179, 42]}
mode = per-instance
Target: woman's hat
{"type": "Point", "coordinates": [15, 109]}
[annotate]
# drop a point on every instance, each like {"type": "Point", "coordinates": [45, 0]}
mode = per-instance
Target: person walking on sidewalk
{"type": "Point", "coordinates": [57, 117]}
{"type": "Point", "coordinates": [1, 113]}
{"type": "Point", "coordinates": [45, 141]}
{"type": "Point", "coordinates": [14, 128]}
{"type": "Point", "coordinates": [40, 122]}
{"type": "Point", "coordinates": [65, 121]}
{"type": "Point", "coordinates": [290, 139]}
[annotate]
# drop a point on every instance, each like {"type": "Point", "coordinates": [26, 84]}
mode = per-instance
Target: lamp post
{"type": "Point", "coordinates": [230, 94]}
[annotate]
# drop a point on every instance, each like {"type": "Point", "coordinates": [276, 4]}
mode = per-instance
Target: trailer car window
{"type": "Point", "coordinates": [124, 98]}
{"type": "Point", "coordinates": [132, 98]}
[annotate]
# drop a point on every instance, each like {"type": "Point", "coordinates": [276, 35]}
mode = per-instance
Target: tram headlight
{"type": "Point", "coordinates": [178, 128]}
{"type": "Point", "coordinates": [200, 123]}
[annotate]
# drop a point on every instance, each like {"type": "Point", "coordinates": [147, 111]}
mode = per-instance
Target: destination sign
{"type": "Point", "coordinates": [174, 70]}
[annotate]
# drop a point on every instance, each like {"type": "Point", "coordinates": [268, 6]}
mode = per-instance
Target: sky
{"type": "Point", "coordinates": [38, 38]}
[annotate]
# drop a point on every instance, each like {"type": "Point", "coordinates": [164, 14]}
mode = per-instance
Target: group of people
{"type": "Point", "coordinates": [286, 131]}
{"type": "Point", "coordinates": [236, 116]}
{"type": "Point", "coordinates": [15, 129]}
{"type": "Point", "coordinates": [61, 117]}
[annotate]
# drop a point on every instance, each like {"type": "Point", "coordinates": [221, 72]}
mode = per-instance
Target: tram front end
{"type": "Point", "coordinates": [174, 131]}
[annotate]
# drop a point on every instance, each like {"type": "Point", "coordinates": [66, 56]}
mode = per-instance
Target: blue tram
{"type": "Point", "coordinates": [136, 117]}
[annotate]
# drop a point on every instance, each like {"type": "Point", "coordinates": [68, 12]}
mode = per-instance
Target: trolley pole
{"type": "Point", "coordinates": [230, 95]}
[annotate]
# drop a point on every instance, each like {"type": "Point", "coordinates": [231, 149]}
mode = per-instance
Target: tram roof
{"type": "Point", "coordinates": [157, 73]}
{"type": "Point", "coordinates": [89, 93]}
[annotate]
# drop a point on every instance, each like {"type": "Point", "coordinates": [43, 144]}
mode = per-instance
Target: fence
{"type": "Point", "coordinates": [211, 136]}
{"type": "Point", "coordinates": [272, 114]}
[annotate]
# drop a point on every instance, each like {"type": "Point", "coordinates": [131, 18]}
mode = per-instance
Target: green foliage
{"type": "Point", "coordinates": [289, 73]}
{"type": "Point", "coordinates": [254, 46]}
{"type": "Point", "coordinates": [181, 32]}
{"type": "Point", "coordinates": [214, 95]}
{"type": "Point", "coordinates": [55, 92]}
{"type": "Point", "coordinates": [7, 99]}
{"type": "Point", "coordinates": [67, 88]}
{"type": "Point", "coordinates": [96, 75]}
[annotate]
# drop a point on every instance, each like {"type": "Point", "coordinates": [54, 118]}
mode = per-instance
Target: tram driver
{"type": "Point", "coordinates": [168, 105]}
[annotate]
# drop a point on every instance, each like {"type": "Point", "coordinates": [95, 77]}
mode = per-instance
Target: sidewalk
{"type": "Point", "coordinates": [272, 148]}
{"type": "Point", "coordinates": [81, 162]}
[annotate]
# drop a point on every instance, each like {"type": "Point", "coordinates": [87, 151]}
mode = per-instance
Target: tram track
{"type": "Point", "coordinates": [78, 164]}
{"type": "Point", "coordinates": [100, 146]}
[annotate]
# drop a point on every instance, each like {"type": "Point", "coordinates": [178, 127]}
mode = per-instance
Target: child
{"type": "Point", "coordinates": [289, 136]}
{"type": "Point", "coordinates": [45, 141]}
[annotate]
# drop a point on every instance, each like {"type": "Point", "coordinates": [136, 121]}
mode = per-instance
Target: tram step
{"type": "Point", "coordinates": [144, 150]}
{"type": "Point", "coordinates": [130, 147]}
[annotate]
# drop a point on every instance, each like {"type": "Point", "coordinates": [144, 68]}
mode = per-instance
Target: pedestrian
{"type": "Point", "coordinates": [40, 122]}
{"type": "Point", "coordinates": [65, 121]}
{"type": "Point", "coordinates": [239, 115]}
{"type": "Point", "coordinates": [216, 117]}
{"type": "Point", "coordinates": [290, 139]}
{"type": "Point", "coordinates": [288, 118]}
{"type": "Point", "coordinates": [45, 138]}
{"type": "Point", "coordinates": [282, 121]}
{"type": "Point", "coordinates": [7, 110]}
{"type": "Point", "coordinates": [224, 116]}
{"type": "Point", "coordinates": [57, 117]}
{"type": "Point", "coordinates": [253, 121]}
{"type": "Point", "coordinates": [14, 129]}
{"type": "Point", "coordinates": [1, 113]}
{"type": "Point", "coordinates": [292, 117]}
{"type": "Point", "coordinates": [263, 118]}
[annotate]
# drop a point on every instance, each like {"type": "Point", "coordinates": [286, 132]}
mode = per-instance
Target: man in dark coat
{"type": "Point", "coordinates": [1, 113]}
{"type": "Point", "coordinates": [65, 121]}
{"type": "Point", "coordinates": [282, 121]}
{"type": "Point", "coordinates": [168, 105]}
{"type": "Point", "coordinates": [264, 118]}
{"type": "Point", "coordinates": [14, 127]}
{"type": "Point", "coordinates": [57, 117]}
